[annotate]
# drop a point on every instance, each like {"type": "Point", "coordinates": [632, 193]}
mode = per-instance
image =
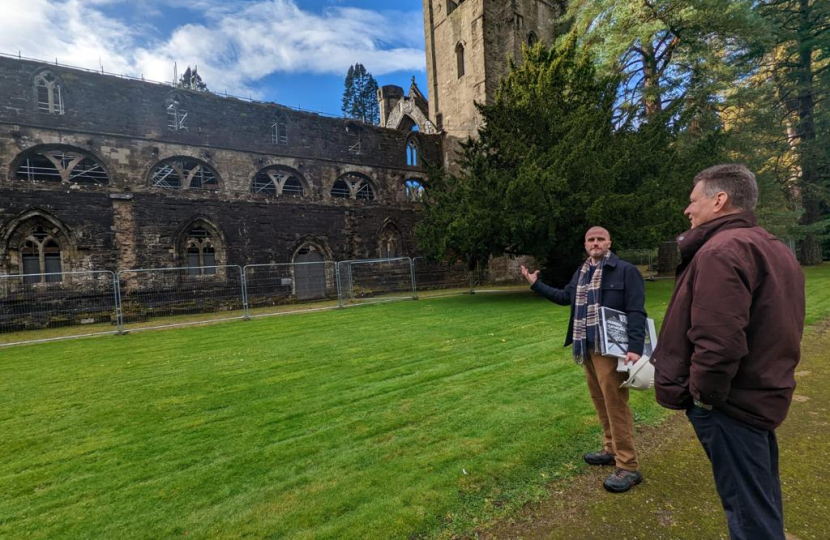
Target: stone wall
{"type": "Point", "coordinates": [490, 31]}
{"type": "Point", "coordinates": [102, 106]}
{"type": "Point", "coordinates": [128, 222]}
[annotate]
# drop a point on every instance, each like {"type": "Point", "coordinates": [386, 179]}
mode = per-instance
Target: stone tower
{"type": "Point", "coordinates": [468, 43]}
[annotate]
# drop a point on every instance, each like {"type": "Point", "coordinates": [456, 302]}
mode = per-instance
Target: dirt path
{"type": "Point", "coordinates": [677, 500]}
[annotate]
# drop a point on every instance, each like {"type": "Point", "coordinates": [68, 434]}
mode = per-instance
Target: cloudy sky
{"type": "Point", "coordinates": [293, 52]}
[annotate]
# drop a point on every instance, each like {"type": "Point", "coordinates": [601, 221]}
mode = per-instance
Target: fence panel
{"type": "Point", "coordinates": [69, 303]}
{"type": "Point", "coordinates": [376, 280]}
{"type": "Point", "coordinates": [644, 259]}
{"type": "Point", "coordinates": [434, 278]}
{"type": "Point", "coordinates": [275, 288]}
{"type": "Point", "coordinates": [181, 295]}
{"type": "Point", "coordinates": [501, 274]}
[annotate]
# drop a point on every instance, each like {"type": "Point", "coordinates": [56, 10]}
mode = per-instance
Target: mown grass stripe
{"type": "Point", "coordinates": [339, 424]}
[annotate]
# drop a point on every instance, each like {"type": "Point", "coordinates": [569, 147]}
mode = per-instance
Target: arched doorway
{"type": "Point", "coordinates": [309, 273]}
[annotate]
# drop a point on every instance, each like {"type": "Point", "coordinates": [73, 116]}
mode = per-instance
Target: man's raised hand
{"type": "Point", "coordinates": [531, 277]}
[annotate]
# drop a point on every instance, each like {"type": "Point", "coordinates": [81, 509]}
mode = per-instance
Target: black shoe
{"type": "Point", "coordinates": [599, 458]}
{"type": "Point", "coordinates": [622, 480]}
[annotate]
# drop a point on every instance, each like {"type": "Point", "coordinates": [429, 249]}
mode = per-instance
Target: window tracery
{"type": "Point", "coordinates": [276, 181]}
{"type": "Point", "coordinates": [414, 189]}
{"type": "Point", "coordinates": [353, 186]}
{"type": "Point", "coordinates": [48, 92]}
{"type": "Point", "coordinates": [412, 158]}
{"type": "Point", "coordinates": [40, 257]}
{"type": "Point", "coordinates": [279, 130]}
{"type": "Point", "coordinates": [390, 242]}
{"type": "Point", "coordinates": [200, 252]}
{"type": "Point", "coordinates": [60, 165]}
{"type": "Point", "coordinates": [184, 173]}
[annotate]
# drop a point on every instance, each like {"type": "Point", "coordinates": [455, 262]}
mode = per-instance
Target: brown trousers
{"type": "Point", "coordinates": [611, 403]}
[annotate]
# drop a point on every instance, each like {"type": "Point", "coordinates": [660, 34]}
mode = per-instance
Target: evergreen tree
{"type": "Point", "coordinates": [758, 70]}
{"type": "Point", "coordinates": [548, 163]}
{"type": "Point", "coordinates": [191, 80]}
{"type": "Point", "coordinates": [798, 69]}
{"type": "Point", "coordinates": [673, 56]}
{"type": "Point", "coordinates": [360, 99]}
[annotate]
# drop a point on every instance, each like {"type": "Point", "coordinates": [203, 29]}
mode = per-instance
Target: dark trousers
{"type": "Point", "coordinates": [745, 465]}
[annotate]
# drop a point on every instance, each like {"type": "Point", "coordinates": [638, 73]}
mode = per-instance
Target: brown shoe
{"type": "Point", "coordinates": [622, 480]}
{"type": "Point", "coordinates": [599, 458]}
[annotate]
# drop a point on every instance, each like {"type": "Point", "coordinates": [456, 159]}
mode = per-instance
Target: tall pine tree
{"type": "Point", "coordinates": [673, 56]}
{"type": "Point", "coordinates": [360, 100]}
{"type": "Point", "coordinates": [800, 70]}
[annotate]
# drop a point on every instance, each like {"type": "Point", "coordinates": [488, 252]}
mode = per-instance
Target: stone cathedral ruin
{"type": "Point", "coordinates": [108, 173]}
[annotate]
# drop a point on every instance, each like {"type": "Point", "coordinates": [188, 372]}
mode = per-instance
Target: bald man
{"type": "Point", "coordinates": [604, 280]}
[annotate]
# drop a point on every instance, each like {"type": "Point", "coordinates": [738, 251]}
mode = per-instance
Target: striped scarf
{"type": "Point", "coordinates": [586, 307]}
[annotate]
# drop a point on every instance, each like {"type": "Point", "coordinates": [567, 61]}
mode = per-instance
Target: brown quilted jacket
{"type": "Point", "coordinates": [732, 332]}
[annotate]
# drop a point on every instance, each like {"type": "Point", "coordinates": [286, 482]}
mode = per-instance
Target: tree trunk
{"type": "Point", "coordinates": [810, 177]}
{"type": "Point", "coordinates": [651, 82]}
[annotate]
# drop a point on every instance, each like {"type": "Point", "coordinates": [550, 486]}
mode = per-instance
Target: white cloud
{"type": "Point", "coordinates": [234, 44]}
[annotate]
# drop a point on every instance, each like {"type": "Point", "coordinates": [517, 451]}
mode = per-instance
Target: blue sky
{"type": "Point", "coordinates": [293, 52]}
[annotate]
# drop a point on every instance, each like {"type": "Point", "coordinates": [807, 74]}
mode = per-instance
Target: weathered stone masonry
{"type": "Point", "coordinates": [125, 127]}
{"type": "Point", "coordinates": [99, 172]}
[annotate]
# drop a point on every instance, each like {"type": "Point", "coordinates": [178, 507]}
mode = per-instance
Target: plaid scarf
{"type": "Point", "coordinates": [586, 307]}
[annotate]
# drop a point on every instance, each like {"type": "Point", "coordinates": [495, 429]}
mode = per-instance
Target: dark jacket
{"type": "Point", "coordinates": [623, 289]}
{"type": "Point", "coordinates": [732, 332]}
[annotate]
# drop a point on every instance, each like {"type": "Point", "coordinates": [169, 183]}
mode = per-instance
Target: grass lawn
{"type": "Point", "coordinates": [406, 420]}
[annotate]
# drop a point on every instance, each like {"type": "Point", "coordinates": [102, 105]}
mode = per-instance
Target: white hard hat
{"type": "Point", "coordinates": [640, 375]}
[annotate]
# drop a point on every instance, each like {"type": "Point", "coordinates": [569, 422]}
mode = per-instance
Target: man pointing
{"type": "Point", "coordinates": [604, 280]}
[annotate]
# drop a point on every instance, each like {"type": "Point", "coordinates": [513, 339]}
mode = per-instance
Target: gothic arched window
{"type": "Point", "coordinates": [341, 189]}
{"type": "Point", "coordinates": [353, 186]}
{"type": "Point", "coordinates": [279, 130]}
{"type": "Point", "coordinates": [452, 5]}
{"type": "Point", "coordinates": [459, 59]}
{"type": "Point", "coordinates": [408, 123]}
{"type": "Point", "coordinates": [278, 180]}
{"type": "Point", "coordinates": [40, 254]}
{"type": "Point", "coordinates": [200, 252]}
{"type": "Point", "coordinates": [414, 190]}
{"type": "Point", "coordinates": [390, 242]}
{"type": "Point", "coordinates": [60, 165]}
{"type": "Point", "coordinates": [412, 158]}
{"type": "Point", "coordinates": [184, 173]}
{"type": "Point", "coordinates": [176, 114]}
{"type": "Point", "coordinates": [532, 39]}
{"type": "Point", "coordinates": [48, 93]}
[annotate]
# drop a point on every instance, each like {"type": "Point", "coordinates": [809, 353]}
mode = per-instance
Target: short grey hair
{"type": "Point", "coordinates": [734, 179]}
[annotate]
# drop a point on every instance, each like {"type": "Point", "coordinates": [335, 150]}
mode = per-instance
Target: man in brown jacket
{"type": "Point", "coordinates": [729, 345]}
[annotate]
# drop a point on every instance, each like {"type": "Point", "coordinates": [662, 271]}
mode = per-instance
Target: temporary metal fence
{"type": "Point", "coordinates": [644, 259]}
{"type": "Point", "coordinates": [275, 288]}
{"type": "Point", "coordinates": [148, 294]}
{"type": "Point", "coordinates": [364, 281]}
{"type": "Point", "coordinates": [74, 304]}
{"type": "Point", "coordinates": [438, 278]}
{"type": "Point", "coordinates": [78, 303]}
{"type": "Point", "coordinates": [506, 277]}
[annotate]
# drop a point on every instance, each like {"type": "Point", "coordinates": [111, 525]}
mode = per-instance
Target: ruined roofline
{"type": "Point", "coordinates": [224, 95]}
{"type": "Point", "coordinates": [270, 106]}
